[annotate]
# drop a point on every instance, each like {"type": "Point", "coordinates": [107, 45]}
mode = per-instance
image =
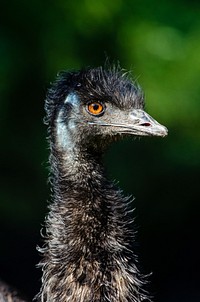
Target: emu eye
{"type": "Point", "coordinates": [95, 108]}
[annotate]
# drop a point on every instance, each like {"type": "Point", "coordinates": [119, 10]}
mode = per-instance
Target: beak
{"type": "Point", "coordinates": [141, 123]}
{"type": "Point", "coordinates": [137, 122]}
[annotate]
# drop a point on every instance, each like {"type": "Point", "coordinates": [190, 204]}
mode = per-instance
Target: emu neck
{"type": "Point", "coordinates": [88, 255]}
{"type": "Point", "coordinates": [77, 170]}
{"type": "Point", "coordinates": [85, 196]}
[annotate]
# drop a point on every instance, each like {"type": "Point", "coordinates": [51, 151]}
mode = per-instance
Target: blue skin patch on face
{"type": "Point", "coordinates": [64, 131]}
{"type": "Point", "coordinates": [72, 98]}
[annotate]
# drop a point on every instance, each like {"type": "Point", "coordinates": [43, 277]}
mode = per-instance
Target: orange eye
{"type": "Point", "coordinates": [95, 108]}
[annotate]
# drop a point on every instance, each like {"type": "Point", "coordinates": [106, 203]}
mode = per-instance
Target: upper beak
{"type": "Point", "coordinates": [141, 123]}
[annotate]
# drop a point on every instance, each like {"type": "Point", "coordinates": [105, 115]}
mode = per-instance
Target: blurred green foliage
{"type": "Point", "coordinates": [160, 42]}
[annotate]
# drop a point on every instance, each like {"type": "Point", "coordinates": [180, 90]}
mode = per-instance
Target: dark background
{"type": "Point", "coordinates": [160, 42]}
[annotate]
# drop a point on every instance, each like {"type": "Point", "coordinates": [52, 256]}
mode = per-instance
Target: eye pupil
{"type": "Point", "coordinates": [95, 108]}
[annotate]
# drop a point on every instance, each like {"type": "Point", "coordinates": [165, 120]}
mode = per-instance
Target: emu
{"type": "Point", "coordinates": [88, 253]}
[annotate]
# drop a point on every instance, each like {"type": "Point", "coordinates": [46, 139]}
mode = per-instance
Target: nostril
{"type": "Point", "coordinates": [145, 124]}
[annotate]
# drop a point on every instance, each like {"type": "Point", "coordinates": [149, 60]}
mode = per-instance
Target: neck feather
{"type": "Point", "coordinates": [89, 235]}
